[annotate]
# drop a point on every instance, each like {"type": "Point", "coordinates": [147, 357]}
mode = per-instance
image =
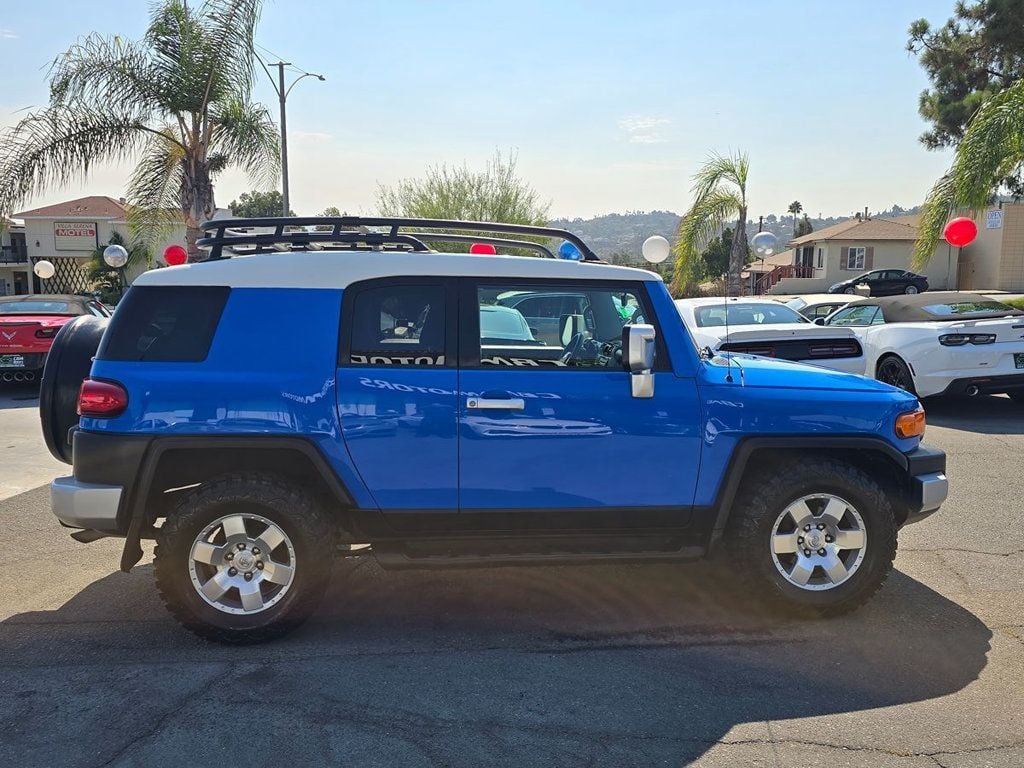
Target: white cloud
{"type": "Point", "coordinates": [8, 34]}
{"type": "Point", "coordinates": [644, 129]}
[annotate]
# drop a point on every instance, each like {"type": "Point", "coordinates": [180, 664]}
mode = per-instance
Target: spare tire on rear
{"type": "Point", "coordinates": [67, 365]}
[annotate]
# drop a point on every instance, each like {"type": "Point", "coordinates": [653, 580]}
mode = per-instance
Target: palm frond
{"type": "Point", "coordinates": [991, 149]}
{"type": "Point", "coordinates": [246, 135]}
{"type": "Point", "coordinates": [155, 193]}
{"type": "Point", "coordinates": [59, 145]}
{"type": "Point", "coordinates": [719, 168]}
{"type": "Point", "coordinates": [705, 219]}
{"type": "Point", "coordinates": [229, 27]}
{"type": "Point", "coordinates": [934, 214]}
{"type": "Point", "coordinates": [99, 71]}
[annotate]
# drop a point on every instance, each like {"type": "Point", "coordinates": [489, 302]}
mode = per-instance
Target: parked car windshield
{"type": "Point", "coordinates": [862, 314]}
{"type": "Point", "coordinates": [746, 314]}
{"type": "Point", "coordinates": [968, 308]}
{"type": "Point", "coordinates": [503, 323]}
{"type": "Point", "coordinates": [39, 307]}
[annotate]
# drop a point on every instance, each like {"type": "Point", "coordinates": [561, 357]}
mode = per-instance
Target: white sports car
{"type": "Point", "coordinates": [947, 343]}
{"type": "Point", "coordinates": [771, 329]}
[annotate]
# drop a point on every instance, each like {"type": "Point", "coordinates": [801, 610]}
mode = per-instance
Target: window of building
{"type": "Point", "coordinates": [821, 258]}
{"type": "Point", "coordinates": [398, 325]}
{"type": "Point", "coordinates": [855, 257]}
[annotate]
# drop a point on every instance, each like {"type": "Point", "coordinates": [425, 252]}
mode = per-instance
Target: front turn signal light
{"type": "Point", "coordinates": [910, 424]}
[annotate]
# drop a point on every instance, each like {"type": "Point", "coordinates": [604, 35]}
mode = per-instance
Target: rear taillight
{"type": "Point", "coordinates": [101, 399]}
{"type": "Point", "coordinates": [959, 339]}
{"type": "Point", "coordinates": [46, 333]}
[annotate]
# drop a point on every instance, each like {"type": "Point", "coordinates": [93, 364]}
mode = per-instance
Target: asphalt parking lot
{"type": "Point", "coordinates": [585, 666]}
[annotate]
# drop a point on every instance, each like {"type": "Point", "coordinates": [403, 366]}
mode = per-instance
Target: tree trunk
{"type": "Point", "coordinates": [198, 206]}
{"type": "Point", "coordinates": [737, 256]}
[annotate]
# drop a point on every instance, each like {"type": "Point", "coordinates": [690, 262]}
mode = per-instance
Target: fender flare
{"type": "Point", "coordinates": [730, 485]}
{"type": "Point", "coordinates": [134, 507]}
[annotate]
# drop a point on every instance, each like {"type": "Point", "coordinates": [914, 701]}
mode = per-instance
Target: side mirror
{"type": "Point", "coordinates": [638, 357]}
{"type": "Point", "coordinates": [819, 321]}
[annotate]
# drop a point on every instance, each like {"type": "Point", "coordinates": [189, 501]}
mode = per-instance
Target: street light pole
{"type": "Point", "coordinates": [282, 98]}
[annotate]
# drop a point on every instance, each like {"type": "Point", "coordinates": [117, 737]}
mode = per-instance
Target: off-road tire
{"type": "Point", "coordinates": [308, 527]}
{"type": "Point", "coordinates": [763, 498]}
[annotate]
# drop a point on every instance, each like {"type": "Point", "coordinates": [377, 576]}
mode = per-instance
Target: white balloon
{"type": "Point", "coordinates": [655, 249]}
{"type": "Point", "coordinates": [115, 255]}
{"type": "Point", "coordinates": [44, 269]}
{"type": "Point", "coordinates": [764, 243]}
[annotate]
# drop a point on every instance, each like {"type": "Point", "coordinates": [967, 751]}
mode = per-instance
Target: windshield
{"type": "Point", "coordinates": [503, 323]}
{"type": "Point", "coordinates": [968, 308]}
{"type": "Point", "coordinates": [38, 307]}
{"type": "Point", "coordinates": [746, 314]}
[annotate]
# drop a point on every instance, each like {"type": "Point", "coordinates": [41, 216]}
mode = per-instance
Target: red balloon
{"type": "Point", "coordinates": [175, 255]}
{"type": "Point", "coordinates": [960, 231]}
{"type": "Point", "coordinates": [483, 249]}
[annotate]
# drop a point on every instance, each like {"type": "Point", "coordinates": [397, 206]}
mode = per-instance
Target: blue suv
{"type": "Point", "coordinates": [318, 386]}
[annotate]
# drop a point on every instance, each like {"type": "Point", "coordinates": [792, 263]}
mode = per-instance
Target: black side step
{"type": "Point", "coordinates": [472, 553]}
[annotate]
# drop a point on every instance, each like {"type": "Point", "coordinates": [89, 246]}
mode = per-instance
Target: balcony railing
{"type": "Point", "coordinates": [13, 255]}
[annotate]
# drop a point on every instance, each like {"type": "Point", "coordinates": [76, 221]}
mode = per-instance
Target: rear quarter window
{"type": "Point", "coordinates": [164, 324]}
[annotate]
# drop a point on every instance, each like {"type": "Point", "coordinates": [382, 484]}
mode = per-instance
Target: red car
{"type": "Point", "coordinates": [28, 325]}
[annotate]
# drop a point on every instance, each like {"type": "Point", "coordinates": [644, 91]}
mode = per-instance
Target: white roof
{"type": "Point", "coordinates": [337, 269]}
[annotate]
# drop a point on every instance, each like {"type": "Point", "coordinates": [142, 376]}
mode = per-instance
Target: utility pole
{"type": "Point", "coordinates": [282, 97]}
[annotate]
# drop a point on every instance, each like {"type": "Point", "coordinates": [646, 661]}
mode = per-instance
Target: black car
{"type": "Point", "coordinates": [884, 282]}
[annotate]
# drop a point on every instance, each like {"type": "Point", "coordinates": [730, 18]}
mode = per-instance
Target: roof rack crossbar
{"type": "Point", "coordinates": [346, 229]}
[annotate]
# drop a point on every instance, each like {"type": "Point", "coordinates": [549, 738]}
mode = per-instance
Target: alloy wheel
{"type": "Point", "coordinates": [242, 563]}
{"type": "Point", "coordinates": [818, 542]}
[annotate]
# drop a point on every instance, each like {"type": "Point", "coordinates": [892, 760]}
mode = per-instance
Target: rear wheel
{"type": "Point", "coordinates": [819, 540]}
{"type": "Point", "coordinates": [244, 558]}
{"type": "Point", "coordinates": [910, 290]}
{"type": "Point", "coordinates": [892, 370]}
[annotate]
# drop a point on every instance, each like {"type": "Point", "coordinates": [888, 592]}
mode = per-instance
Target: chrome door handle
{"type": "Point", "coordinates": [495, 404]}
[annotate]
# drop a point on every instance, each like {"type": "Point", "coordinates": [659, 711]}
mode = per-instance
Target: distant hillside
{"type": "Point", "coordinates": [618, 236]}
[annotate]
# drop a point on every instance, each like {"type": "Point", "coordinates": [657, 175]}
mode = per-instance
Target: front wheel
{"type": "Point", "coordinates": [244, 558]}
{"type": "Point", "coordinates": [816, 540]}
{"type": "Point", "coordinates": [850, 291]}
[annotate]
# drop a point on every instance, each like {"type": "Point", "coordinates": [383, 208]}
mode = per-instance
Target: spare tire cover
{"type": "Point", "coordinates": [67, 365]}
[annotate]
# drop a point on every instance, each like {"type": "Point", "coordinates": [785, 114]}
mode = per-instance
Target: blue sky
{"type": "Point", "coordinates": [611, 106]}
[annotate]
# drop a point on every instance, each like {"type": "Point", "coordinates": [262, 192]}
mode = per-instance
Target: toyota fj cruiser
{"type": "Point", "coordinates": [318, 385]}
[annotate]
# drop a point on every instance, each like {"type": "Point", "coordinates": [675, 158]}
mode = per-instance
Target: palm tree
{"type": "Point", "coordinates": [992, 149]}
{"type": "Point", "coordinates": [795, 208]}
{"type": "Point", "coordinates": [177, 102]}
{"type": "Point", "coordinates": [719, 196]}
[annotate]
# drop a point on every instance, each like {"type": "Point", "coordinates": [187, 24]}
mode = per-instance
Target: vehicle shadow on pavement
{"type": "Point", "coordinates": [984, 414]}
{"type": "Point", "coordinates": [595, 666]}
{"type": "Point", "coordinates": [18, 396]}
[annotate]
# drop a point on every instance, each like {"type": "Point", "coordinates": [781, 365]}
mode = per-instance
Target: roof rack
{"type": "Point", "coordinates": [355, 233]}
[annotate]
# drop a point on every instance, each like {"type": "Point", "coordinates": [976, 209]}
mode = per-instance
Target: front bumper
{"type": "Point", "coordinates": [928, 484]}
{"type": "Point", "coordinates": [86, 505]}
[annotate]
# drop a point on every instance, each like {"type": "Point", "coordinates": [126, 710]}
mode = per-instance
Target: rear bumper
{"type": "Point", "coordinates": [985, 385]}
{"type": "Point", "coordinates": [928, 484]}
{"type": "Point", "coordinates": [86, 505]}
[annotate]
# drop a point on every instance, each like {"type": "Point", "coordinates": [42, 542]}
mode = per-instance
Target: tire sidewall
{"type": "Point", "coordinates": [880, 531]}
{"type": "Point", "coordinates": [193, 515]}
